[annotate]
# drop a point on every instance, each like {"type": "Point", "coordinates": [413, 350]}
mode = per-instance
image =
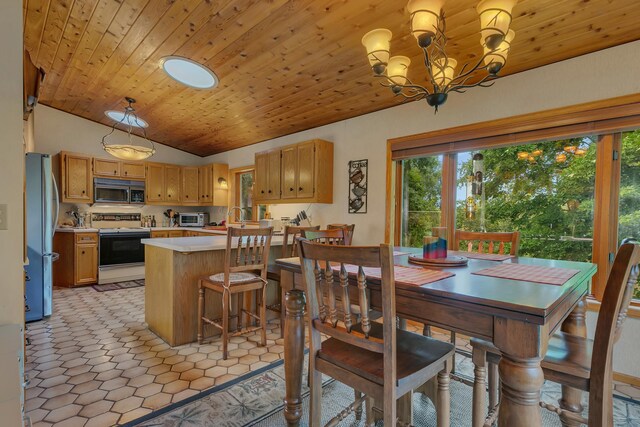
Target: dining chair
{"type": "Point", "coordinates": [245, 270]}
{"type": "Point", "coordinates": [289, 250]}
{"type": "Point", "coordinates": [380, 360]}
{"type": "Point", "coordinates": [572, 360]}
{"type": "Point", "coordinates": [480, 242]}
{"type": "Point", "coordinates": [334, 236]}
{"type": "Point", "coordinates": [348, 231]}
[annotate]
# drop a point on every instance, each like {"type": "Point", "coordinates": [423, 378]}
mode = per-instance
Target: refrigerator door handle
{"type": "Point", "coordinates": [56, 211]}
{"type": "Point", "coordinates": [47, 260]}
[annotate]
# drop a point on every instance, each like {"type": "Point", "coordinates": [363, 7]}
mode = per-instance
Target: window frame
{"type": "Point", "coordinates": [607, 119]}
{"type": "Point", "coordinates": [234, 193]}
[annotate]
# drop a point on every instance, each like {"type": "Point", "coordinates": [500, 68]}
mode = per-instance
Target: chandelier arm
{"type": "Point", "coordinates": [486, 81]}
{"type": "Point", "coordinates": [476, 67]}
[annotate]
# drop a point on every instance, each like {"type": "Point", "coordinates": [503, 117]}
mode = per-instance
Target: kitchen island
{"type": "Point", "coordinates": [172, 269]}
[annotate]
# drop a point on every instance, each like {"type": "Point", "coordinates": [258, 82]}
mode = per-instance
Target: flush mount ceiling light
{"type": "Point", "coordinates": [131, 151]}
{"type": "Point", "coordinates": [428, 27]}
{"type": "Point", "coordinates": [119, 116]}
{"type": "Point", "coordinates": [188, 72]}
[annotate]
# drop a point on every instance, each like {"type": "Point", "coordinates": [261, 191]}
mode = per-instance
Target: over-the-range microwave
{"type": "Point", "coordinates": [120, 191]}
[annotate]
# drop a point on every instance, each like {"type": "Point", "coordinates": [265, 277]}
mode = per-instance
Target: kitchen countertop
{"type": "Point", "coordinates": [76, 230]}
{"type": "Point", "coordinates": [196, 244]}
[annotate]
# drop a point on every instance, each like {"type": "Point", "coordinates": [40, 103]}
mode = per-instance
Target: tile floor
{"type": "Point", "coordinates": [94, 363]}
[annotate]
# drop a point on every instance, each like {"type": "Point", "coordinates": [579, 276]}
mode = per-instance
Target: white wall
{"type": "Point", "coordinates": [56, 131]}
{"type": "Point", "coordinates": [11, 238]}
{"type": "Point", "coordinates": [601, 75]}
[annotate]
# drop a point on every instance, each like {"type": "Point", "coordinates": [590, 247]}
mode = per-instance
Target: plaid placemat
{"type": "Point", "coordinates": [486, 257]}
{"type": "Point", "coordinates": [530, 273]}
{"type": "Point", "coordinates": [413, 276]}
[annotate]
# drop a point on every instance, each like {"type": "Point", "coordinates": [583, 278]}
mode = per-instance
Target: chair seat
{"type": "Point", "coordinates": [568, 358]}
{"type": "Point", "coordinates": [236, 278]}
{"type": "Point", "coordinates": [414, 353]}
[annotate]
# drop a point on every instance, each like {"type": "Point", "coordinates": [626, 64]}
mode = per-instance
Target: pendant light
{"type": "Point", "coordinates": [129, 121]}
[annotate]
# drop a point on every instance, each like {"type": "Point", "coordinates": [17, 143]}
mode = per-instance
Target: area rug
{"type": "Point", "coordinates": [127, 284]}
{"type": "Point", "coordinates": [256, 400]}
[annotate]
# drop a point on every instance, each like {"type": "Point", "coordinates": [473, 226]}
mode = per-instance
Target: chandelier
{"type": "Point", "coordinates": [130, 151]}
{"type": "Point", "coordinates": [428, 27]}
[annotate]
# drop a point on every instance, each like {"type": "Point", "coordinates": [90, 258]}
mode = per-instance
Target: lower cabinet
{"type": "Point", "coordinates": [78, 263]}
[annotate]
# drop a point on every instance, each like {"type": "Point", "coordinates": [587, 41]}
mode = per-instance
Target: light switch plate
{"type": "Point", "coordinates": [3, 216]}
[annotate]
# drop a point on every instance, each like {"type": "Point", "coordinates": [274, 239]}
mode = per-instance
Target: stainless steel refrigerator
{"type": "Point", "coordinates": [42, 216]}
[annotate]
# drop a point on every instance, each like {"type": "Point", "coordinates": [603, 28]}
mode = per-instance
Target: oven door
{"type": "Point", "coordinates": [111, 193]}
{"type": "Point", "coordinates": [117, 249]}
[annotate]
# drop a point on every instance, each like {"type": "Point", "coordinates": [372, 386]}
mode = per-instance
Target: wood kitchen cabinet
{"type": "Point", "coordinates": [75, 178]}
{"type": "Point", "coordinates": [210, 186]}
{"type": "Point", "coordinates": [205, 184]}
{"type": "Point", "coordinates": [118, 169]}
{"type": "Point", "coordinates": [299, 173]}
{"type": "Point", "coordinates": [163, 184]}
{"type": "Point", "coordinates": [102, 167]}
{"type": "Point", "coordinates": [78, 263]}
{"type": "Point", "coordinates": [172, 183]}
{"type": "Point", "coordinates": [190, 187]}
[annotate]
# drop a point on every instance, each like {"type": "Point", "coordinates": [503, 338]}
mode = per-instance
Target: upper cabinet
{"type": "Point", "coordinates": [299, 173]}
{"type": "Point", "coordinates": [118, 169]}
{"type": "Point", "coordinates": [76, 178]}
{"type": "Point", "coordinates": [186, 185]}
{"type": "Point", "coordinates": [165, 184]}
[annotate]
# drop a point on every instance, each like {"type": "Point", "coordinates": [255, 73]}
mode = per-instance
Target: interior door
{"type": "Point", "coordinates": [289, 168]}
{"type": "Point", "coordinates": [155, 182]}
{"type": "Point", "coordinates": [306, 172]}
{"type": "Point", "coordinates": [172, 183]}
{"type": "Point", "coordinates": [273, 189]}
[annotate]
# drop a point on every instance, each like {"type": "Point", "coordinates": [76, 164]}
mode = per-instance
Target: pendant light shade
{"type": "Point", "coordinates": [397, 69]}
{"type": "Point", "coordinates": [495, 19]}
{"type": "Point", "coordinates": [130, 151]}
{"type": "Point", "coordinates": [443, 70]}
{"type": "Point", "coordinates": [425, 16]}
{"type": "Point", "coordinates": [496, 59]}
{"type": "Point", "coordinates": [377, 43]}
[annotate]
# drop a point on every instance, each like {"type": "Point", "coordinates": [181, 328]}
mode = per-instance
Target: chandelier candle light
{"type": "Point", "coordinates": [428, 27]}
{"type": "Point", "coordinates": [129, 151]}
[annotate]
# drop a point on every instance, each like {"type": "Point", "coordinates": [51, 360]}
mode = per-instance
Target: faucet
{"type": "Point", "coordinates": [242, 220]}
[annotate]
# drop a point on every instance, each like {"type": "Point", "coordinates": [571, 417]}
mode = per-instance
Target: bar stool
{"type": "Point", "coordinates": [245, 270]}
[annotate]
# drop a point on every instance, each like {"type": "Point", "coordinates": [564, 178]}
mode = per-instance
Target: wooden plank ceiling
{"type": "Point", "coordinates": [284, 66]}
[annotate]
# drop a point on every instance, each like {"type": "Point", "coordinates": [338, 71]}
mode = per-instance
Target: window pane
{"type": "Point", "coordinates": [421, 198]}
{"type": "Point", "coordinates": [246, 194]}
{"type": "Point", "coordinates": [629, 207]}
{"type": "Point", "coordinates": [544, 190]}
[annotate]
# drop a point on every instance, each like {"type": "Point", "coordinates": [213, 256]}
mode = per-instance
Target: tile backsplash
{"type": "Point", "coordinates": [216, 213]}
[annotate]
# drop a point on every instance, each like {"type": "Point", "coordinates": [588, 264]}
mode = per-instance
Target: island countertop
{"type": "Point", "coordinates": [196, 244]}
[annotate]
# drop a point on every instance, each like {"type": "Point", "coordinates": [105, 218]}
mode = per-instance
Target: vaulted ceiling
{"type": "Point", "coordinates": [284, 66]}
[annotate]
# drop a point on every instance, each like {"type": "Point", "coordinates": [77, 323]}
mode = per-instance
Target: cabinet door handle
{"type": "Point", "coordinates": [262, 191]}
{"type": "Point", "coordinates": [299, 188]}
{"type": "Point", "coordinates": [186, 195]}
{"type": "Point", "coordinates": [115, 172]}
{"type": "Point", "coordinates": [158, 195]}
{"type": "Point", "coordinates": [82, 252]}
{"type": "Point", "coordinates": [126, 172]}
{"type": "Point", "coordinates": [269, 191]}
{"type": "Point", "coordinates": [83, 191]}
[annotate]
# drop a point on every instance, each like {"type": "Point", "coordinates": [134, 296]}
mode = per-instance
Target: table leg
{"type": "Point", "coordinates": [575, 324]}
{"type": "Point", "coordinates": [522, 345]}
{"type": "Point", "coordinates": [293, 354]}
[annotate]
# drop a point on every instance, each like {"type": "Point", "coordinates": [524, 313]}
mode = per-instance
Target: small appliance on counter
{"type": "Point", "coordinates": [193, 219]}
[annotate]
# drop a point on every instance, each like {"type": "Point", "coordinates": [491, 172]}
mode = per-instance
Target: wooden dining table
{"type": "Point", "coordinates": [518, 316]}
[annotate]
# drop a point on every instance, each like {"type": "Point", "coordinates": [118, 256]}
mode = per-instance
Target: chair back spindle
{"type": "Point", "coordinates": [334, 236]}
{"type": "Point", "coordinates": [321, 264]}
{"type": "Point", "coordinates": [348, 231]}
{"type": "Point", "coordinates": [489, 243]}
{"type": "Point", "coordinates": [251, 247]}
{"type": "Point", "coordinates": [291, 233]}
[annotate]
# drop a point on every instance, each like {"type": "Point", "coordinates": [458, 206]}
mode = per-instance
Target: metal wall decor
{"type": "Point", "coordinates": [358, 181]}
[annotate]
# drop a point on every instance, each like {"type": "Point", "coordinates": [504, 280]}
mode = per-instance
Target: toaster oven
{"type": "Point", "coordinates": [193, 219]}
